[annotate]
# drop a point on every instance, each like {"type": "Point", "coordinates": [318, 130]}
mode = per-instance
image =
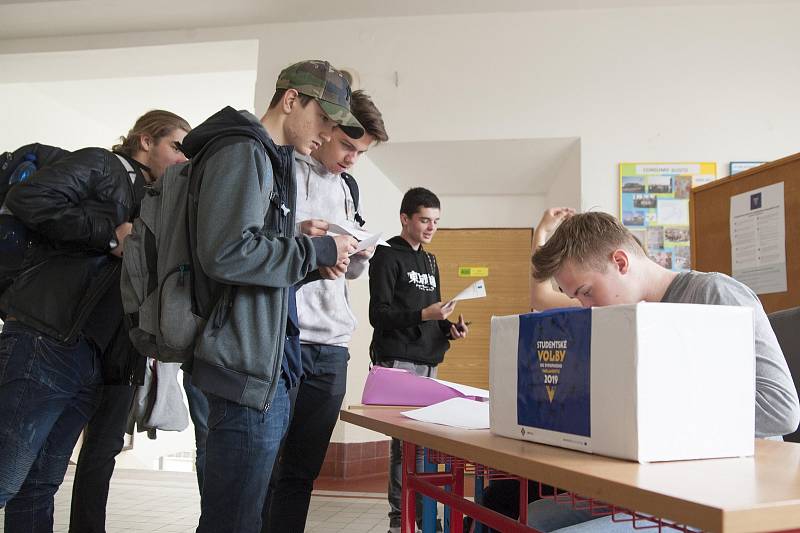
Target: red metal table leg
{"type": "Point", "coordinates": [523, 501]}
{"type": "Point", "coordinates": [456, 515]}
{"type": "Point", "coordinates": [482, 514]}
{"type": "Point", "coordinates": [408, 507]}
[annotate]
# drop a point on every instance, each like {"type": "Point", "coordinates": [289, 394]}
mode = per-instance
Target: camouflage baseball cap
{"type": "Point", "coordinates": [328, 87]}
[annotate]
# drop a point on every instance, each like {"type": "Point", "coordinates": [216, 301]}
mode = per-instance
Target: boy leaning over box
{"type": "Point", "coordinates": [595, 259]}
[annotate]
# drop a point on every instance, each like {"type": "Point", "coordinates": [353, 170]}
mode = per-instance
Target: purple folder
{"type": "Point", "coordinates": [393, 386]}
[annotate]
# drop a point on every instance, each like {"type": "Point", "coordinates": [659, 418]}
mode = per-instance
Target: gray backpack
{"type": "Point", "coordinates": [156, 282]}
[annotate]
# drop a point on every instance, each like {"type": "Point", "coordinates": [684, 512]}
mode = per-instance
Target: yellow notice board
{"type": "Point", "coordinates": [654, 205]}
{"type": "Point", "coordinates": [473, 272]}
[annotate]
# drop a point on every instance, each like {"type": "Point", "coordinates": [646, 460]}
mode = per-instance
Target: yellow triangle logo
{"type": "Point", "coordinates": [551, 391]}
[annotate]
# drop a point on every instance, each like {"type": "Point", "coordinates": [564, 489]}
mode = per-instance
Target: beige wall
{"type": "Point", "coordinates": [667, 84]}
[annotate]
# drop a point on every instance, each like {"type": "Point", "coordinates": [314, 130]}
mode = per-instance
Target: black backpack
{"type": "Point", "coordinates": [15, 238]}
{"type": "Point", "coordinates": [351, 183]}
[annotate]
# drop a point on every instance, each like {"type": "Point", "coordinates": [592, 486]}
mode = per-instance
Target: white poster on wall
{"type": "Point", "coordinates": [758, 239]}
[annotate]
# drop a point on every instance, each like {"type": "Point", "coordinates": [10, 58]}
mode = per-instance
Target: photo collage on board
{"type": "Point", "coordinates": [654, 206]}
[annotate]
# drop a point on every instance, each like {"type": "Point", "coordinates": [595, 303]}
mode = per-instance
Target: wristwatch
{"type": "Point", "coordinates": [113, 243]}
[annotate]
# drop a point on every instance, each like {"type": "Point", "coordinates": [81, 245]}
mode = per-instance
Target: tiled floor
{"type": "Point", "coordinates": [145, 501]}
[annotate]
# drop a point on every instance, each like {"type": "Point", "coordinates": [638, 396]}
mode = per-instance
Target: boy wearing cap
{"type": "Point", "coordinates": [248, 354]}
{"type": "Point", "coordinates": [326, 323]}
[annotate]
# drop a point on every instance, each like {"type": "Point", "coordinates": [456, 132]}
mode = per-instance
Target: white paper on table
{"type": "Point", "coordinates": [358, 233]}
{"type": "Point", "coordinates": [475, 290]}
{"type": "Point", "coordinates": [455, 412]}
{"type": "Point", "coordinates": [464, 389]}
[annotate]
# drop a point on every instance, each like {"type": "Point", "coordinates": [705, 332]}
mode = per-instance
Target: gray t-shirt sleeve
{"type": "Point", "coordinates": [777, 407]}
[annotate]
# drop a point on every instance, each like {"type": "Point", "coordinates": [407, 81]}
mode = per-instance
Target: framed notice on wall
{"type": "Point", "coordinates": [654, 206]}
{"type": "Point", "coordinates": [741, 166]}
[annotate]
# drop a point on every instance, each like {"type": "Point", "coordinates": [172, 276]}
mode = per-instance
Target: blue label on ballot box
{"type": "Point", "coordinates": [553, 374]}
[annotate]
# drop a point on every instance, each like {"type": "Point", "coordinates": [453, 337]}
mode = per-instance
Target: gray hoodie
{"type": "Point", "coordinates": [323, 306]}
{"type": "Point", "coordinates": [246, 244]}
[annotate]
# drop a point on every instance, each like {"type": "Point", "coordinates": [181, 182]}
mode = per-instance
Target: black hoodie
{"type": "Point", "coordinates": [402, 282]}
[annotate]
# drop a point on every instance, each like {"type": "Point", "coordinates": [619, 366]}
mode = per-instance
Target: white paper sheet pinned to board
{"type": "Point", "coordinates": [758, 239]}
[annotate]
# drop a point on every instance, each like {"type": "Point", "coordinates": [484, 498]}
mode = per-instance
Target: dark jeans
{"type": "Point", "coordinates": [240, 451]}
{"type": "Point", "coordinates": [48, 392]}
{"type": "Point", "coordinates": [396, 451]}
{"type": "Point", "coordinates": [315, 410]}
{"type": "Point", "coordinates": [198, 411]}
{"type": "Point", "coordinates": [502, 495]}
{"type": "Point", "coordinates": [103, 439]}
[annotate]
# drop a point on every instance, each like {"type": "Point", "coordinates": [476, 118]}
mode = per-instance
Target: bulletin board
{"type": "Point", "coordinates": [710, 209]}
{"type": "Point", "coordinates": [654, 206]}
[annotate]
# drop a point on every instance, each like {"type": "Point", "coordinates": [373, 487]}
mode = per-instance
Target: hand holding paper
{"type": "Point", "coordinates": [437, 311]}
{"type": "Point", "coordinates": [369, 242]}
{"type": "Point", "coordinates": [314, 227]}
{"type": "Point", "coordinates": [345, 247]}
{"type": "Point", "coordinates": [476, 290]}
{"type": "Point", "coordinates": [366, 240]}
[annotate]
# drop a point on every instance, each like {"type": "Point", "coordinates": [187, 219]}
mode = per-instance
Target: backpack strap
{"type": "Point", "coordinates": [128, 167]}
{"type": "Point", "coordinates": [352, 185]}
{"type": "Point", "coordinates": [205, 292]}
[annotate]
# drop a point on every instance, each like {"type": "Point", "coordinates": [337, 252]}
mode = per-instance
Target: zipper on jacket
{"type": "Point", "coordinates": [87, 310]}
{"type": "Point", "coordinates": [228, 297]}
{"type": "Point", "coordinates": [89, 307]}
{"type": "Point", "coordinates": [288, 229]}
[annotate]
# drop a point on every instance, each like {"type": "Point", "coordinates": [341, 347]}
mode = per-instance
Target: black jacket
{"type": "Point", "coordinates": [70, 282]}
{"type": "Point", "coordinates": [402, 282]}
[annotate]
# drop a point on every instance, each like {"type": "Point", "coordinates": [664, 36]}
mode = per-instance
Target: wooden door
{"type": "Point", "coordinates": [506, 253]}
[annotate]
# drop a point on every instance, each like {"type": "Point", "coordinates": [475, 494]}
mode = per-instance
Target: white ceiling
{"type": "Point", "coordinates": [482, 167]}
{"type": "Point", "coordinates": [479, 167]}
{"type": "Point", "coordinates": [144, 61]}
{"type": "Point", "coordinates": [49, 18]}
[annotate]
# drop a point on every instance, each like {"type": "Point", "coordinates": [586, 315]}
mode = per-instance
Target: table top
{"type": "Point", "coordinates": [746, 494]}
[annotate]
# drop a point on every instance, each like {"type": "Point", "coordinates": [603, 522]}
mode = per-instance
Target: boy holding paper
{"type": "Point", "coordinates": [410, 320]}
{"type": "Point", "coordinates": [326, 320]}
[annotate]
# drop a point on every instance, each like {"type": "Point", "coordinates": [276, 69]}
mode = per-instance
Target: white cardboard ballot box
{"type": "Point", "coordinates": [645, 382]}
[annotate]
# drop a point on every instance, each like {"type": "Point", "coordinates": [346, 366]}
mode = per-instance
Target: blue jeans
{"type": "Point", "coordinates": [48, 392]}
{"type": "Point", "coordinates": [240, 451]}
{"type": "Point", "coordinates": [198, 411]}
{"type": "Point", "coordinates": [547, 515]}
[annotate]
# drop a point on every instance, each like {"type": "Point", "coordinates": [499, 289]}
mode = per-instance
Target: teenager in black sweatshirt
{"type": "Point", "coordinates": [411, 327]}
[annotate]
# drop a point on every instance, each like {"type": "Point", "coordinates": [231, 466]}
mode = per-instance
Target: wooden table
{"type": "Point", "coordinates": [749, 494]}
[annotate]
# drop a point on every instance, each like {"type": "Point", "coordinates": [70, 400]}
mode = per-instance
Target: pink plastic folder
{"type": "Point", "coordinates": [392, 386]}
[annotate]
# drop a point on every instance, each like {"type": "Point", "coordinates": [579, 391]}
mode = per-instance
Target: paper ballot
{"type": "Point", "coordinates": [476, 290]}
{"type": "Point", "coordinates": [367, 243]}
{"type": "Point", "coordinates": [455, 412]}
{"type": "Point", "coordinates": [365, 238]}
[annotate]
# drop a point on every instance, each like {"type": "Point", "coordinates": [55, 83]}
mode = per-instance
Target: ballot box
{"type": "Point", "coordinates": [644, 382]}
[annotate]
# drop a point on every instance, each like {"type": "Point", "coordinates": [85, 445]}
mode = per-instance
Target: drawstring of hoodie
{"type": "Point", "coordinates": [430, 267]}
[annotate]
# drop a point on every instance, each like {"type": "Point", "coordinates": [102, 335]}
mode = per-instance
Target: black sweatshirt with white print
{"type": "Point", "coordinates": [402, 282]}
